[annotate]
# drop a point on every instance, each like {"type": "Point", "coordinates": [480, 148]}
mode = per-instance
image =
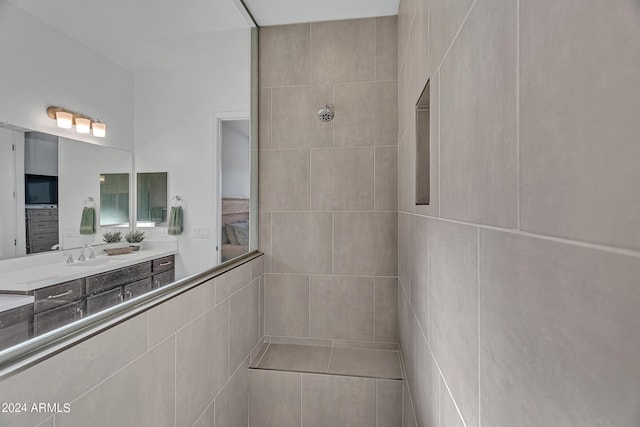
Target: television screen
{"type": "Point", "coordinates": [41, 189]}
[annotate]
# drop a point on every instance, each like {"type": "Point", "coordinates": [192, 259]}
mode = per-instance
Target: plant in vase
{"type": "Point", "coordinates": [112, 236]}
{"type": "Point", "coordinates": [135, 238]}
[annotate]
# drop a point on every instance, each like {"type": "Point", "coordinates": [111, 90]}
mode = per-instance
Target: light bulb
{"type": "Point", "coordinates": [99, 129]}
{"type": "Point", "coordinates": [64, 119]}
{"type": "Point", "coordinates": [83, 125]}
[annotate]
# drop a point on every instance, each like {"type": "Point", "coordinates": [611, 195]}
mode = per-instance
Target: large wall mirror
{"type": "Point", "coordinates": [87, 220]}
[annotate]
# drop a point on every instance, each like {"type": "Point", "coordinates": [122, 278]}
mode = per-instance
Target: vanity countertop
{"type": "Point", "coordinates": [7, 302]}
{"type": "Point", "coordinates": [29, 279]}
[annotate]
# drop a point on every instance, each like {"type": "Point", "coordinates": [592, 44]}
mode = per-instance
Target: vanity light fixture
{"type": "Point", "coordinates": [67, 119]}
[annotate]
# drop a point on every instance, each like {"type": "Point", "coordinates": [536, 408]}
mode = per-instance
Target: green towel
{"type": "Point", "coordinates": [88, 221]}
{"type": "Point", "coordinates": [175, 221]}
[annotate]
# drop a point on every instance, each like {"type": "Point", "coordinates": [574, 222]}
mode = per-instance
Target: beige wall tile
{"type": "Point", "coordinates": [406, 12]}
{"type": "Point", "coordinates": [264, 237]}
{"type": "Point", "coordinates": [143, 393]}
{"type": "Point", "coordinates": [257, 268]}
{"type": "Point", "coordinates": [233, 280]}
{"type": "Point", "coordinates": [559, 333]}
{"type": "Point", "coordinates": [407, 169]}
{"type": "Point", "coordinates": [408, 416]}
{"type": "Point", "coordinates": [420, 272]}
{"type": "Point", "coordinates": [66, 376]}
{"type": "Point", "coordinates": [284, 180]}
{"type": "Point", "coordinates": [342, 179]}
{"type": "Point", "coordinates": [274, 399]}
{"type": "Point", "coordinates": [386, 179]}
{"type": "Point", "coordinates": [300, 242]}
{"type": "Point", "coordinates": [286, 305]}
{"type": "Point", "coordinates": [418, 50]}
{"type": "Point", "coordinates": [342, 307]}
{"type": "Point", "coordinates": [294, 122]}
{"type": "Point", "coordinates": [364, 362]}
{"type": "Point", "coordinates": [406, 245]}
{"type": "Point", "coordinates": [284, 55]}
{"type": "Point", "coordinates": [407, 331]}
{"type": "Point", "coordinates": [386, 48]}
{"type": "Point", "coordinates": [445, 18]}
{"type": "Point", "coordinates": [366, 114]}
{"type": "Point", "coordinates": [264, 118]}
{"type": "Point", "coordinates": [579, 130]}
{"type": "Point", "coordinates": [453, 310]}
{"type": "Point", "coordinates": [338, 401]}
{"type": "Point", "coordinates": [424, 393]}
{"type": "Point", "coordinates": [406, 99]}
{"type": "Point", "coordinates": [388, 403]}
{"type": "Point", "coordinates": [366, 243]}
{"type": "Point", "coordinates": [232, 404]}
{"type": "Point", "coordinates": [478, 161]}
{"type": "Point", "coordinates": [243, 324]}
{"type": "Point", "coordinates": [342, 51]}
{"type": "Point", "coordinates": [201, 362]}
{"type": "Point", "coordinates": [174, 314]}
{"type": "Point", "coordinates": [449, 416]}
{"type": "Point", "coordinates": [386, 310]}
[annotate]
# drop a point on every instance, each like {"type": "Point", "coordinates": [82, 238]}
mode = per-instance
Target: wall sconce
{"type": "Point", "coordinates": [66, 119]}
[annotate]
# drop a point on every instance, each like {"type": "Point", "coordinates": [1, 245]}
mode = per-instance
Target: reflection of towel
{"type": "Point", "coordinates": [88, 221]}
{"type": "Point", "coordinates": [156, 214]}
{"type": "Point", "coordinates": [175, 221]}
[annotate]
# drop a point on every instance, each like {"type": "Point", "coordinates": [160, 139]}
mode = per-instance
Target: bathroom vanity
{"type": "Point", "coordinates": [40, 299]}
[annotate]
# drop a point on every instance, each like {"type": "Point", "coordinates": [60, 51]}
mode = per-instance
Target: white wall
{"type": "Point", "coordinates": [80, 179]}
{"type": "Point", "coordinates": [236, 161]}
{"type": "Point", "coordinates": [174, 111]}
{"type": "Point", "coordinates": [41, 67]}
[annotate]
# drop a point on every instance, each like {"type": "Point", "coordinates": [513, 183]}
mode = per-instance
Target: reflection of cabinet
{"type": "Point", "coordinates": [42, 229]}
{"type": "Point", "coordinates": [15, 325]}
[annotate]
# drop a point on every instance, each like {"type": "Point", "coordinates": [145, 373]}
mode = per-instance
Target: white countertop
{"type": "Point", "coordinates": [36, 277]}
{"type": "Point", "coordinates": [7, 302]}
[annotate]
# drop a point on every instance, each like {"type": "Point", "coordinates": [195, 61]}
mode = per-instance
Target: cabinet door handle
{"type": "Point", "coordinates": [129, 294]}
{"type": "Point", "coordinates": [61, 294]}
{"type": "Point", "coordinates": [80, 312]}
{"type": "Point", "coordinates": [120, 297]}
{"type": "Point", "coordinates": [162, 264]}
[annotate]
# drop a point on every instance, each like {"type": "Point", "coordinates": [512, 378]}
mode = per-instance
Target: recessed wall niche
{"type": "Point", "coordinates": [422, 148]}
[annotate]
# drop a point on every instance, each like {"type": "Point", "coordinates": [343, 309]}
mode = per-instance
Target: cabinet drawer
{"type": "Point", "coordinates": [40, 238]}
{"type": "Point", "coordinates": [15, 333]}
{"type": "Point", "coordinates": [42, 214]}
{"type": "Point", "coordinates": [49, 226]}
{"type": "Point", "coordinates": [57, 317]}
{"type": "Point", "coordinates": [138, 288]}
{"type": "Point", "coordinates": [104, 300]}
{"type": "Point", "coordinates": [16, 315]}
{"type": "Point", "coordinates": [162, 279]}
{"type": "Point", "coordinates": [57, 295]}
{"type": "Point", "coordinates": [111, 279]}
{"type": "Point", "coordinates": [163, 264]}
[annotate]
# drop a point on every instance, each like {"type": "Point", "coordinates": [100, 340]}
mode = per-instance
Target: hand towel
{"type": "Point", "coordinates": [88, 221]}
{"type": "Point", "coordinates": [175, 221]}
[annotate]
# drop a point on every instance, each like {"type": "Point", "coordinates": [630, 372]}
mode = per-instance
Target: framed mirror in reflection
{"type": "Point", "coordinates": [151, 199]}
{"type": "Point", "coordinates": [47, 180]}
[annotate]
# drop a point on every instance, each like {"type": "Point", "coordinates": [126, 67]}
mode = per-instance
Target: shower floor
{"type": "Point", "coordinates": [353, 362]}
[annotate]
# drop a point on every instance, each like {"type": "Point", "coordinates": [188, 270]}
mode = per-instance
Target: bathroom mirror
{"type": "Point", "coordinates": [151, 199]}
{"type": "Point", "coordinates": [114, 199]}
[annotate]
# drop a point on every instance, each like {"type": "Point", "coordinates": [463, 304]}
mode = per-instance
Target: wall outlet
{"type": "Point", "coordinates": [201, 233]}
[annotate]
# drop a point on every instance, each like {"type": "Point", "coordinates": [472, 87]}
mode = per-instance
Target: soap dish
{"type": "Point", "coordinates": [118, 251]}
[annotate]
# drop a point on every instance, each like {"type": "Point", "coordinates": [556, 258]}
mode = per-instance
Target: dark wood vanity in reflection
{"type": "Point", "coordinates": [63, 303]}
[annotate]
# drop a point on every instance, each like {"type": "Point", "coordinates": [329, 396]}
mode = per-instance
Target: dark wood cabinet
{"type": "Point", "coordinates": [138, 288]}
{"type": "Point", "coordinates": [15, 326]}
{"type": "Point", "coordinates": [57, 317]}
{"type": "Point", "coordinates": [42, 229]}
{"type": "Point", "coordinates": [63, 303]}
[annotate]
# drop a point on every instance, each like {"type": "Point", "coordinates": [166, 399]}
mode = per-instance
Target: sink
{"type": "Point", "coordinates": [90, 263]}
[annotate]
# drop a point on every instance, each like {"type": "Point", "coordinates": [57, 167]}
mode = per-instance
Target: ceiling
{"type": "Point", "coordinates": [278, 12]}
{"type": "Point", "coordinates": [137, 33]}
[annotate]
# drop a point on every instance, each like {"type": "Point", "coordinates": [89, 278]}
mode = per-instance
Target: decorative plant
{"type": "Point", "coordinates": [112, 236]}
{"type": "Point", "coordinates": [134, 236]}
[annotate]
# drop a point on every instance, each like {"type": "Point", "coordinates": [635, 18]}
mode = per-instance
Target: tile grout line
{"type": "Point", "coordinates": [439, 145]}
{"type": "Point", "coordinates": [374, 49]}
{"type": "Point", "coordinates": [518, 213]}
{"type": "Point", "coordinates": [374, 309]}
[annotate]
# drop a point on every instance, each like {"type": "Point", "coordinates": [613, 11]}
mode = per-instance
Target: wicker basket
{"type": "Point", "coordinates": [118, 251]}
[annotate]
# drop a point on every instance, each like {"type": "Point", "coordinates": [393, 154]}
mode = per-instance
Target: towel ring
{"type": "Point", "coordinates": [89, 202]}
{"type": "Point", "coordinates": [176, 201]}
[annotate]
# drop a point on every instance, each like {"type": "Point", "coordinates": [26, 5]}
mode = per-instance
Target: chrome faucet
{"type": "Point", "coordinates": [92, 254]}
{"type": "Point", "coordinates": [69, 258]}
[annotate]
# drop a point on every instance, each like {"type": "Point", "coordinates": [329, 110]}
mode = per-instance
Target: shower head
{"type": "Point", "coordinates": [326, 113]}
